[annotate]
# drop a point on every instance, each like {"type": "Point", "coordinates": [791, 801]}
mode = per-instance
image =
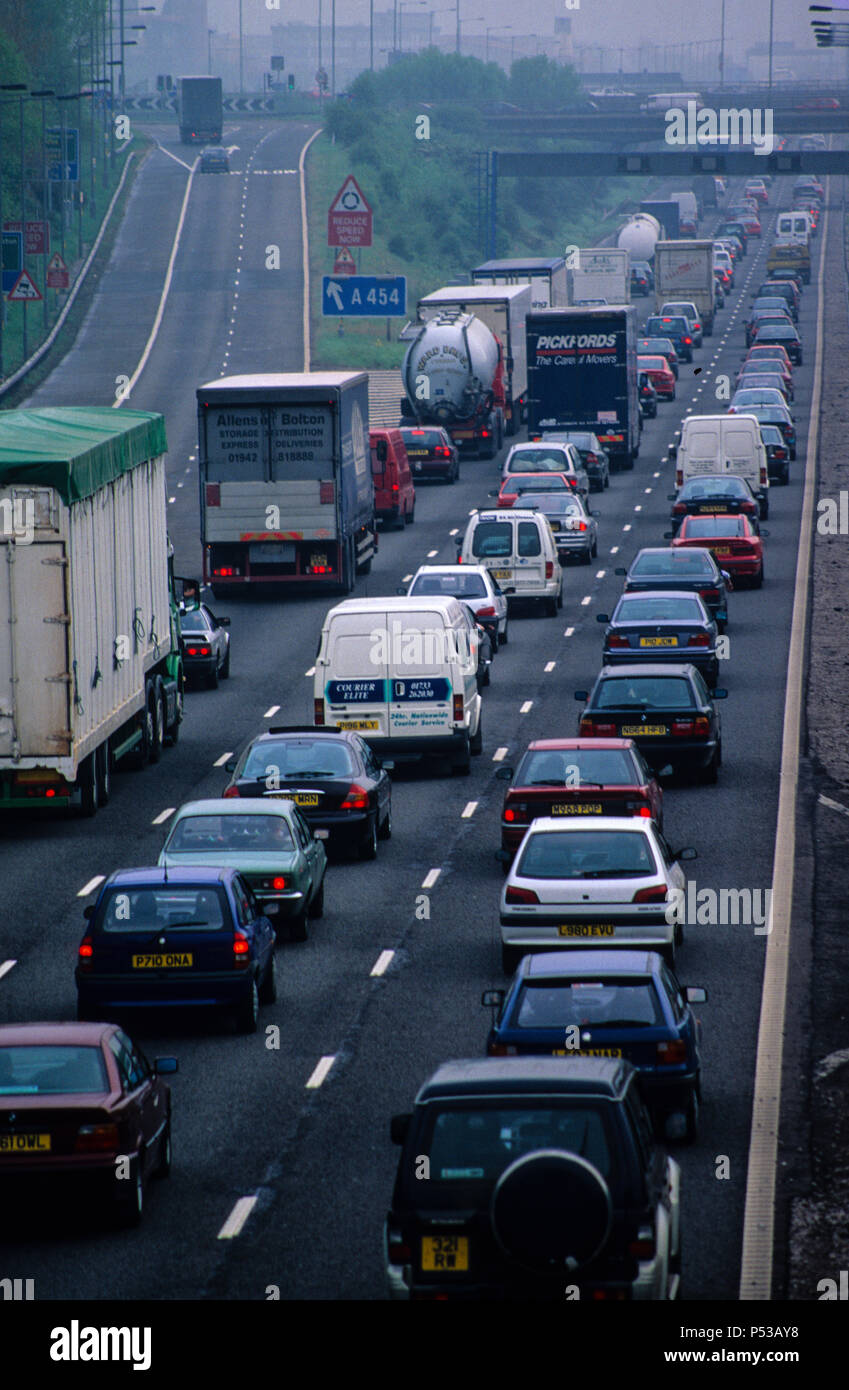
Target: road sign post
{"type": "Point", "coordinates": [349, 221]}
{"type": "Point", "coordinates": [364, 296]}
{"type": "Point", "coordinates": [13, 254]}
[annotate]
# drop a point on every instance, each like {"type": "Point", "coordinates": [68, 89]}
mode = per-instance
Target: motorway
{"type": "Point", "coordinates": [246, 1122]}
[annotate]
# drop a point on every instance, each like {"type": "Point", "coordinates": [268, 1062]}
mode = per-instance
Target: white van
{"type": "Point", "coordinates": [402, 672]}
{"type": "Point", "coordinates": [723, 444]}
{"type": "Point", "coordinates": [517, 545]}
{"type": "Point", "coordinates": [793, 227]}
{"type": "Point", "coordinates": [688, 205]}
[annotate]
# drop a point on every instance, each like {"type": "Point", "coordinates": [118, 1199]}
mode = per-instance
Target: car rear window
{"type": "Point", "coordinates": [587, 1003]}
{"type": "Point", "coordinates": [302, 757]}
{"type": "Point", "coordinates": [492, 539]}
{"type": "Point", "coordinates": [52, 1070]}
{"type": "Point", "coordinates": [422, 439]}
{"type": "Point", "coordinates": [450, 585]}
{"type": "Point", "coordinates": [529, 543]}
{"type": "Point", "coordinates": [714, 526]}
{"type": "Point", "coordinates": [653, 692]}
{"type": "Point", "coordinates": [539, 461]}
{"type": "Point", "coordinates": [168, 907]}
{"type": "Point", "coordinates": [533, 483]}
{"type": "Point", "coordinates": [250, 834]}
{"type": "Point", "coordinates": [476, 1145]}
{"type": "Point", "coordinates": [672, 562]}
{"type": "Point", "coordinates": [575, 767]}
{"type": "Point", "coordinates": [586, 854]}
{"type": "Point", "coordinates": [565, 504]}
{"type": "Point", "coordinates": [658, 610]}
{"type": "Point", "coordinates": [713, 487]}
{"type": "Point", "coordinates": [193, 621]}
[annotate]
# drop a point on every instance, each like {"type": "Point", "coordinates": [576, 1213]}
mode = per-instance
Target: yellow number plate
{"type": "Point", "coordinates": [445, 1253]}
{"type": "Point", "coordinates": [164, 960]}
{"type": "Point", "coordinates": [564, 809]}
{"type": "Point", "coordinates": [502, 574]}
{"type": "Point", "coordinates": [25, 1143]}
{"type": "Point", "coordinates": [630, 730]}
{"type": "Point", "coordinates": [721, 553]}
{"type": "Point", "coordinates": [318, 561]}
{"type": "Point", "coordinates": [586, 929]}
{"type": "Point", "coordinates": [306, 799]}
{"type": "Point", "coordinates": [358, 724]}
{"type": "Point", "coordinates": [587, 1052]}
{"type": "Point", "coordinates": [658, 641]}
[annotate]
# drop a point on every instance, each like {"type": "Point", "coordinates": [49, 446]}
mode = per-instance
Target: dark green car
{"type": "Point", "coordinates": [269, 842]}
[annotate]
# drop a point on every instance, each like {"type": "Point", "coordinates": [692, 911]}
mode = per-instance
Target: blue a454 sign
{"type": "Point", "coordinates": [364, 296]}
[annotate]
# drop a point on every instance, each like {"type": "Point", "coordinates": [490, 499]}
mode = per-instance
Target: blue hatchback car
{"type": "Point", "coordinates": [176, 938]}
{"type": "Point", "coordinates": [627, 1004]}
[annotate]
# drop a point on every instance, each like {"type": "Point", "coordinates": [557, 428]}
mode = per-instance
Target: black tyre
{"type": "Point", "coordinates": [549, 607]}
{"type": "Point", "coordinates": [174, 731]}
{"type": "Point", "coordinates": [163, 1166]}
{"type": "Point", "coordinates": [411, 515]}
{"type": "Point", "coordinates": [129, 1209]}
{"type": "Point", "coordinates": [89, 794]}
{"type": "Point", "coordinates": [298, 927]}
{"type": "Point", "coordinates": [586, 557]}
{"type": "Point", "coordinates": [757, 582]}
{"type": "Point", "coordinates": [103, 772]}
{"type": "Point", "coordinates": [212, 679]}
{"type": "Point", "coordinates": [710, 774]}
{"type": "Point", "coordinates": [84, 1012]}
{"type": "Point", "coordinates": [368, 847]}
{"type": "Point", "coordinates": [268, 989]}
{"type": "Point", "coordinates": [691, 1113]}
{"type": "Point", "coordinates": [510, 957]}
{"type": "Point", "coordinates": [316, 907]}
{"type": "Point", "coordinates": [476, 741]}
{"type": "Point", "coordinates": [464, 766]}
{"type": "Point", "coordinates": [247, 1014]}
{"type": "Point", "coordinates": [385, 829]}
{"type": "Point", "coordinates": [225, 665]}
{"type": "Point", "coordinates": [502, 641]}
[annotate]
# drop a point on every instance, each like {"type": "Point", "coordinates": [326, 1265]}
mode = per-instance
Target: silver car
{"type": "Point", "coordinates": [574, 528]}
{"type": "Point", "coordinates": [474, 585]}
{"type": "Point", "coordinates": [548, 456]}
{"type": "Point", "coordinates": [691, 314]}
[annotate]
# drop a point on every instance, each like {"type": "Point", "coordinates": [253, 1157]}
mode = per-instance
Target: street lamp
{"type": "Point", "coordinates": [722, 48]}
{"type": "Point", "coordinates": [491, 28]}
{"type": "Point", "coordinates": [769, 88]}
{"type": "Point", "coordinates": [209, 34]}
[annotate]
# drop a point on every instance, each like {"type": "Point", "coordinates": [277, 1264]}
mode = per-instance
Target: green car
{"type": "Point", "coordinates": [267, 841]}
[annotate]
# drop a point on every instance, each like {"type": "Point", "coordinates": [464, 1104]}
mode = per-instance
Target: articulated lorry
{"type": "Point", "coordinates": [286, 489]}
{"type": "Point", "coordinates": [91, 672]}
{"type": "Point", "coordinates": [200, 111]}
{"type": "Point", "coordinates": [453, 377]}
{"type": "Point", "coordinates": [683, 270]}
{"type": "Point", "coordinates": [546, 276]}
{"type": "Point", "coordinates": [582, 375]}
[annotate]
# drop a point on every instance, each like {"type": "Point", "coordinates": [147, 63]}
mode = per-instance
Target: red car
{"type": "Point", "coordinates": [768, 352]}
{"type": "Point", "coordinates": [576, 777]}
{"type": "Point", "coordinates": [819, 104]}
{"type": "Point", "coordinates": [660, 374]}
{"type": "Point", "coordinates": [517, 483]}
{"type": "Point", "coordinates": [735, 544]}
{"type": "Point", "coordinates": [74, 1097]}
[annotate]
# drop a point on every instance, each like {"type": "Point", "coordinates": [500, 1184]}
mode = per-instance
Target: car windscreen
{"type": "Point", "coordinates": [492, 539]}
{"type": "Point", "coordinates": [159, 907]}
{"type": "Point", "coordinates": [575, 767]}
{"type": "Point", "coordinates": [639, 692]}
{"type": "Point", "coordinates": [586, 854]}
{"type": "Point", "coordinates": [44, 1069]}
{"type": "Point", "coordinates": [300, 757]}
{"type": "Point", "coordinates": [658, 610]}
{"type": "Point", "coordinates": [652, 364]}
{"type": "Point", "coordinates": [671, 563]}
{"type": "Point", "coordinates": [587, 1004]}
{"type": "Point", "coordinates": [477, 1144]}
{"type": "Point", "coordinates": [250, 834]}
{"type": "Point", "coordinates": [193, 621]}
{"type": "Point", "coordinates": [450, 585]}
{"type": "Point", "coordinates": [532, 483]}
{"type": "Point", "coordinates": [539, 461]}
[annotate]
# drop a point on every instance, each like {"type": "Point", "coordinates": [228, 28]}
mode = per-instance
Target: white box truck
{"type": "Point", "coordinates": [683, 270]}
{"type": "Point", "coordinates": [504, 309]}
{"type": "Point", "coordinates": [546, 276]}
{"type": "Point", "coordinates": [91, 669]}
{"type": "Point", "coordinates": [603, 272]}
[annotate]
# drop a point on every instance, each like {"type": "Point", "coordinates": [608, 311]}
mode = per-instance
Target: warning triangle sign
{"type": "Point", "coordinates": [56, 262]}
{"type": "Point", "coordinates": [24, 288]}
{"type": "Point", "coordinates": [344, 263]}
{"type": "Point", "coordinates": [350, 198]}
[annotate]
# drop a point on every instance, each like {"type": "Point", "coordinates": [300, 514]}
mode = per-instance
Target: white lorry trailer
{"type": "Point", "coordinates": [603, 272]}
{"type": "Point", "coordinates": [683, 270]}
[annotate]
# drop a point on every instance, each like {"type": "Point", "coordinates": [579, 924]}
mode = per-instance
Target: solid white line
{"type": "Point", "coordinates": [271, 711]}
{"type": "Point", "coordinates": [468, 810]}
{"type": "Point", "coordinates": [91, 885]}
{"type": "Point", "coordinates": [219, 762]}
{"type": "Point", "coordinates": [382, 963]}
{"type": "Point", "coordinates": [430, 878]}
{"type": "Point", "coordinates": [305, 247]}
{"type": "Point", "coordinates": [237, 1218]}
{"type": "Point", "coordinates": [526, 707]}
{"type": "Point", "coordinates": [174, 157]}
{"type": "Point", "coordinates": [6, 967]}
{"type": "Point", "coordinates": [320, 1072]}
{"type": "Point", "coordinates": [163, 815]}
{"type": "Point", "coordinates": [549, 666]}
{"type": "Point", "coordinates": [499, 755]}
{"type": "Point", "coordinates": [148, 347]}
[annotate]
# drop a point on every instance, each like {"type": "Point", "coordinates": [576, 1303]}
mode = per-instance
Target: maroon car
{"type": "Point", "coordinates": [432, 453]}
{"type": "Point", "coordinates": [576, 777]}
{"type": "Point", "coordinates": [75, 1100]}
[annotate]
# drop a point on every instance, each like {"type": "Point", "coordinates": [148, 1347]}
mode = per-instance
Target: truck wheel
{"type": "Point", "coordinates": [628, 462]}
{"type": "Point", "coordinates": [225, 669]}
{"type": "Point", "coordinates": [141, 753]}
{"type": "Point", "coordinates": [348, 568]}
{"type": "Point", "coordinates": [158, 698]}
{"type": "Point", "coordinates": [89, 800]}
{"type": "Point", "coordinates": [174, 731]}
{"type": "Point", "coordinates": [103, 770]}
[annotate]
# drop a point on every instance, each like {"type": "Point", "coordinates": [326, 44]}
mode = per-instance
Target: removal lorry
{"type": "Point", "coordinates": [603, 272]}
{"type": "Point", "coordinates": [502, 308]}
{"type": "Point", "coordinates": [683, 270]}
{"type": "Point", "coordinates": [665, 211]}
{"type": "Point", "coordinates": [91, 671]}
{"type": "Point", "coordinates": [582, 375]}
{"type": "Point", "coordinates": [286, 490]}
{"type": "Point", "coordinates": [200, 111]}
{"type": "Point", "coordinates": [546, 276]}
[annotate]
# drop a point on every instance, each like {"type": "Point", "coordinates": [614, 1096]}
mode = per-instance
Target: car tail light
{"type": "Point", "coordinates": [712, 595]}
{"type": "Point", "coordinates": [241, 948]}
{"type": "Point", "coordinates": [318, 711]}
{"type": "Point", "coordinates": [592, 458]}
{"type": "Point", "coordinates": [501, 1050]}
{"type": "Point", "coordinates": [642, 808]}
{"type": "Point", "coordinates": [702, 726]}
{"type": "Point", "coordinates": [699, 639]}
{"type": "Point", "coordinates": [549, 569]}
{"type": "Point", "coordinates": [764, 479]}
{"type": "Point", "coordinates": [679, 508]}
{"type": "Point", "coordinates": [516, 814]}
{"type": "Point", "coordinates": [486, 612]}
{"type": "Point", "coordinates": [198, 651]}
{"type": "Point", "coordinates": [459, 712]}
{"type": "Point", "coordinates": [748, 507]}
{"type": "Point", "coordinates": [232, 791]}
{"type": "Point", "coordinates": [581, 526]}
{"type": "Point", "coordinates": [573, 482]}
{"type": "Point", "coordinates": [356, 799]}
{"type": "Point", "coordinates": [520, 895]}
{"type": "Point", "coordinates": [697, 327]}
{"type": "Point", "coordinates": [442, 451]}
{"type": "Point", "coordinates": [591, 728]}
{"type": "Point", "coordinates": [679, 477]}
{"type": "Point", "coordinates": [671, 1054]}
{"type": "Point", "coordinates": [643, 1247]}
{"type": "Point", "coordinates": [688, 341]}
{"type": "Point", "coordinates": [226, 572]}
{"type": "Point", "coordinates": [93, 1139]}
{"type": "Point", "coordinates": [778, 452]}
{"type": "Point", "coordinates": [657, 894]}
{"type": "Point", "coordinates": [617, 640]}
{"type": "Point", "coordinates": [394, 487]}
{"type": "Point", "coordinates": [398, 1252]}
{"type": "Point", "coordinates": [682, 728]}
{"type": "Point", "coordinates": [484, 434]}
{"type": "Point", "coordinates": [85, 953]}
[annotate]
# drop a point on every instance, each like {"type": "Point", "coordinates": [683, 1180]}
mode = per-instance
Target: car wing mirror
{"type": "Point", "coordinates": [230, 766]}
{"type": "Point", "coordinates": [582, 695]}
{"type": "Point", "coordinates": [399, 1127]}
{"type": "Point", "coordinates": [602, 617]}
{"type": "Point", "coordinates": [666, 771]}
{"type": "Point", "coordinates": [696, 994]}
{"type": "Point", "coordinates": [668, 535]}
{"type": "Point", "coordinates": [620, 569]}
{"type": "Point", "coordinates": [503, 856]}
{"type": "Point", "coordinates": [687, 853]}
{"type": "Point", "coordinates": [388, 764]}
{"type": "Point", "coordinates": [504, 773]}
{"type": "Point", "coordinates": [166, 1066]}
{"type": "Point", "coordinates": [719, 694]}
{"type": "Point", "coordinates": [492, 998]}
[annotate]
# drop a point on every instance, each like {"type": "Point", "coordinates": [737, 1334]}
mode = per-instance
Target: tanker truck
{"type": "Point", "coordinates": [639, 236]}
{"type": "Point", "coordinates": [453, 376]}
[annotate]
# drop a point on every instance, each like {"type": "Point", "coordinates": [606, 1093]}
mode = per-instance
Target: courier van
{"type": "Point", "coordinates": [394, 493]}
{"type": "Point", "coordinates": [402, 673]}
{"type": "Point", "coordinates": [518, 547]}
{"type": "Point", "coordinates": [723, 444]}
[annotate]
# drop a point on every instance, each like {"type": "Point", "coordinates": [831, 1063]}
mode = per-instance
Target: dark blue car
{"type": "Point", "coordinates": [176, 938]}
{"type": "Point", "coordinates": [628, 1004]}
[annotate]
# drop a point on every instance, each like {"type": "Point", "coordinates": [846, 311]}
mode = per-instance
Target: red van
{"type": "Point", "coordinates": [394, 493]}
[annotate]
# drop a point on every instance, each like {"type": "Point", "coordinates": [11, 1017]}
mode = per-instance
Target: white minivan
{"type": "Point", "coordinates": [794, 228]}
{"type": "Point", "coordinates": [402, 673]}
{"type": "Point", "coordinates": [723, 444]}
{"type": "Point", "coordinates": [517, 545]}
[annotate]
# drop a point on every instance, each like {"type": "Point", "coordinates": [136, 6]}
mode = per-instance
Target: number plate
{"type": "Point", "coordinates": [164, 960]}
{"type": "Point", "coordinates": [587, 1052]}
{"type": "Point", "coordinates": [306, 799]}
{"type": "Point", "coordinates": [576, 809]}
{"type": "Point", "coordinates": [318, 560]}
{"type": "Point", "coordinates": [658, 641]}
{"type": "Point", "coordinates": [712, 507]}
{"type": "Point", "coordinates": [652, 730]}
{"type": "Point", "coordinates": [723, 554]}
{"type": "Point", "coordinates": [502, 574]}
{"type": "Point", "coordinates": [555, 525]}
{"type": "Point", "coordinates": [445, 1253]}
{"type": "Point", "coordinates": [358, 724]}
{"type": "Point", "coordinates": [25, 1143]}
{"type": "Point", "coordinates": [586, 929]}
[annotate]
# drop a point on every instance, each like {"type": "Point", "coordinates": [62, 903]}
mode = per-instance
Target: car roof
{"type": "Point", "coordinates": [666, 549]}
{"type": "Point", "coordinates": [504, 514]}
{"type": "Point", "coordinates": [543, 825]}
{"type": "Point", "coordinates": [577, 744]}
{"type": "Point", "coordinates": [712, 478]}
{"type": "Point", "coordinates": [557, 964]}
{"type": "Point", "coordinates": [233, 806]}
{"type": "Point", "coordinates": [665, 594]}
{"type": "Point", "coordinates": [83, 1034]}
{"type": "Point", "coordinates": [451, 569]}
{"type": "Point", "coordinates": [632, 669]}
{"type": "Point", "coordinates": [525, 1076]}
{"type": "Point", "coordinates": [162, 876]}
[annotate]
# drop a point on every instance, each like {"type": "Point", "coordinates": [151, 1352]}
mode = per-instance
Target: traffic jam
{"type": "Point", "coordinates": [545, 1167]}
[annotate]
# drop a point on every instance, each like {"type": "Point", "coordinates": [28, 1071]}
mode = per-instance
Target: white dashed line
{"type": "Point", "coordinates": [569, 632]}
{"type": "Point", "coordinates": [310, 672]}
{"type": "Point", "coordinates": [320, 1072]}
{"type": "Point", "coordinates": [468, 810]}
{"type": "Point", "coordinates": [526, 707]}
{"type": "Point", "coordinates": [614, 550]}
{"type": "Point", "coordinates": [6, 967]}
{"type": "Point", "coordinates": [431, 554]}
{"type": "Point", "coordinates": [91, 885]}
{"type": "Point", "coordinates": [600, 574]}
{"type": "Point", "coordinates": [271, 711]}
{"type": "Point", "coordinates": [638, 507]}
{"type": "Point", "coordinates": [586, 601]}
{"type": "Point", "coordinates": [219, 762]}
{"type": "Point", "coordinates": [499, 755]}
{"type": "Point", "coordinates": [455, 532]}
{"type": "Point", "coordinates": [406, 579]}
{"type": "Point", "coordinates": [430, 878]}
{"type": "Point", "coordinates": [549, 666]}
{"type": "Point", "coordinates": [382, 963]}
{"type": "Point", "coordinates": [237, 1218]}
{"type": "Point", "coordinates": [172, 499]}
{"type": "Point", "coordinates": [627, 528]}
{"type": "Point", "coordinates": [164, 815]}
{"type": "Point", "coordinates": [832, 805]}
{"type": "Point", "coordinates": [647, 491]}
{"type": "Point", "coordinates": [655, 475]}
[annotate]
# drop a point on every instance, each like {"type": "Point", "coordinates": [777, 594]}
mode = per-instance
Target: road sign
{"type": "Point", "coordinates": [364, 296]}
{"type": "Point", "coordinates": [13, 258]}
{"type": "Point", "coordinates": [278, 62]}
{"type": "Point", "coordinates": [36, 236]}
{"type": "Point", "coordinates": [344, 263]}
{"type": "Point", "coordinates": [58, 277]}
{"type": "Point", "coordinates": [54, 154]}
{"type": "Point", "coordinates": [349, 221]}
{"type": "Point", "coordinates": [24, 288]}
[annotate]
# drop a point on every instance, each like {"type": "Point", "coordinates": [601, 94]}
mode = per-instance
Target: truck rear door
{"type": "Point", "coordinates": [355, 674]}
{"type": "Point", "coordinates": [35, 687]}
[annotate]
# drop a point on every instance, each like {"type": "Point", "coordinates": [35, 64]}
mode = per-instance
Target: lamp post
{"type": "Point", "coordinates": [43, 95]}
{"type": "Point", "coordinates": [241, 53]}
{"type": "Point", "coordinates": [409, 4]}
{"type": "Point", "coordinates": [722, 48]}
{"type": "Point", "coordinates": [769, 81]}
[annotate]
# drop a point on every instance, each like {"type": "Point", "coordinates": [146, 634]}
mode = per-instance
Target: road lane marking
{"type": "Point", "coordinates": [271, 711]}
{"type": "Point", "coordinates": [600, 574]}
{"type": "Point", "coordinates": [431, 554]}
{"type": "Point", "coordinates": [219, 762]}
{"type": "Point", "coordinates": [430, 878]}
{"type": "Point", "coordinates": [587, 600]}
{"type": "Point", "coordinates": [569, 632]}
{"type": "Point", "coordinates": [499, 755]}
{"type": "Point", "coordinates": [468, 810]}
{"type": "Point", "coordinates": [526, 707]}
{"type": "Point", "coordinates": [832, 805]}
{"type": "Point", "coordinates": [549, 666]}
{"type": "Point", "coordinates": [237, 1218]}
{"type": "Point", "coordinates": [320, 1072]}
{"type": "Point", "coordinates": [6, 967]}
{"type": "Point", "coordinates": [310, 672]}
{"type": "Point", "coordinates": [163, 815]}
{"type": "Point", "coordinates": [382, 963]}
{"type": "Point", "coordinates": [91, 885]}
